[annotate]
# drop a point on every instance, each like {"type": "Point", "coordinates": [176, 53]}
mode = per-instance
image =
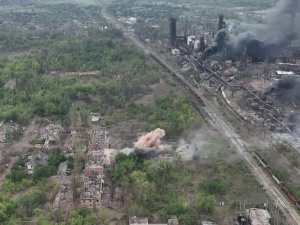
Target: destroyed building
{"type": "Point", "coordinates": [50, 133]}
{"type": "Point", "coordinates": [2, 137]}
{"type": "Point", "coordinates": [144, 221]}
{"type": "Point", "coordinates": [138, 221]}
{"type": "Point", "coordinates": [93, 178]}
{"type": "Point", "coordinates": [63, 169]}
{"type": "Point", "coordinates": [258, 216]}
{"type": "Point", "coordinates": [37, 158]}
{"type": "Point", "coordinates": [208, 223]}
{"type": "Point", "coordinates": [70, 142]}
{"type": "Point", "coordinates": [95, 117]}
{"type": "Point", "coordinates": [99, 140]}
{"type": "Point", "coordinates": [63, 196]}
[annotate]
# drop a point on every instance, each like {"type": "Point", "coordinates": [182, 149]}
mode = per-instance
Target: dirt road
{"type": "Point", "coordinates": [16, 148]}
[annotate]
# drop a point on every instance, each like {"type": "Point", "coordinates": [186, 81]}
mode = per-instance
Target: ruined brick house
{"type": "Point", "coordinates": [90, 199]}
{"type": "Point", "coordinates": [144, 221]}
{"type": "Point", "coordinates": [94, 173]}
{"type": "Point", "coordinates": [37, 158]}
{"type": "Point", "coordinates": [70, 142]}
{"type": "Point", "coordinates": [99, 140]}
{"type": "Point", "coordinates": [93, 177]}
{"type": "Point", "coordinates": [91, 196]}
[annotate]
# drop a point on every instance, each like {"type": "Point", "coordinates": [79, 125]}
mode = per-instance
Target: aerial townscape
{"type": "Point", "coordinates": [161, 112]}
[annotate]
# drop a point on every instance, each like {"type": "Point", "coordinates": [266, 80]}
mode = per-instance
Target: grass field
{"type": "Point", "coordinates": [17, 8]}
{"type": "Point", "coordinates": [29, 9]}
{"type": "Point", "coordinates": [77, 2]}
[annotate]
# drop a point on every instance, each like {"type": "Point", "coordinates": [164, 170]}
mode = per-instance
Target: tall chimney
{"type": "Point", "coordinates": [202, 44]}
{"type": "Point", "coordinates": [172, 31]}
{"type": "Point", "coordinates": [221, 22]}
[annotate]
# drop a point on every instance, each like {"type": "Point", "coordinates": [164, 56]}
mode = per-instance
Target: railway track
{"type": "Point", "coordinates": [223, 127]}
{"type": "Point", "coordinates": [280, 182]}
{"type": "Point", "coordinates": [177, 78]}
{"type": "Point", "coordinates": [217, 122]}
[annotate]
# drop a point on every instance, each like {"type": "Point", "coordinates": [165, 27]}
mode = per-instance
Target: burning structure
{"type": "Point", "coordinates": [287, 89]}
{"type": "Point", "coordinates": [260, 41]}
{"type": "Point", "coordinates": [254, 70]}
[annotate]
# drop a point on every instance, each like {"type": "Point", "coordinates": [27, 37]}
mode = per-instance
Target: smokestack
{"type": "Point", "coordinates": [185, 31]}
{"type": "Point", "coordinates": [202, 44]}
{"type": "Point", "coordinates": [172, 31]}
{"type": "Point", "coordinates": [221, 22]}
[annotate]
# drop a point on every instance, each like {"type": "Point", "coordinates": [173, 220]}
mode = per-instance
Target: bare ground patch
{"type": "Point", "coordinates": [159, 90]}
{"type": "Point", "coordinates": [124, 133]}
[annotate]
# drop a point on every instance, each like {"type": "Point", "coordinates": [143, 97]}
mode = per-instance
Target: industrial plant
{"type": "Point", "coordinates": [160, 112]}
{"type": "Point", "coordinates": [256, 72]}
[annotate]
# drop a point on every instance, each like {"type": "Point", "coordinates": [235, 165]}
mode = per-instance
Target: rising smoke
{"type": "Point", "coordinates": [148, 146]}
{"type": "Point", "coordinates": [261, 41]}
{"type": "Point", "coordinates": [287, 89]}
{"type": "Point", "coordinates": [152, 140]}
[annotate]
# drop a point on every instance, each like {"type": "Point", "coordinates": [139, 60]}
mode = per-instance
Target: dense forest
{"type": "Point", "coordinates": [47, 95]}
{"type": "Point", "coordinates": [38, 93]}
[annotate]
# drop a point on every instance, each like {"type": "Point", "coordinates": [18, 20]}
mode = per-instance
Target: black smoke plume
{"type": "Point", "coordinates": [150, 153]}
{"type": "Point", "coordinates": [261, 41]}
{"type": "Point", "coordinates": [287, 89]}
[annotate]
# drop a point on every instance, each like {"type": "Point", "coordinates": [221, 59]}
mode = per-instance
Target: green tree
{"type": "Point", "coordinates": [8, 186]}
{"type": "Point", "coordinates": [56, 157]}
{"type": "Point", "coordinates": [189, 218]}
{"type": "Point", "coordinates": [49, 108]}
{"type": "Point", "coordinates": [143, 188]}
{"type": "Point", "coordinates": [217, 186]}
{"type": "Point", "coordinates": [282, 146]}
{"type": "Point", "coordinates": [43, 171]}
{"type": "Point", "coordinates": [161, 171]}
{"type": "Point", "coordinates": [29, 201]}
{"type": "Point", "coordinates": [205, 202]}
{"type": "Point", "coordinates": [3, 215]}
{"type": "Point", "coordinates": [294, 159]}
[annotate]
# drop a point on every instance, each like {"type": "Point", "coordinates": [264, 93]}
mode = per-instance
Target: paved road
{"type": "Point", "coordinates": [219, 122]}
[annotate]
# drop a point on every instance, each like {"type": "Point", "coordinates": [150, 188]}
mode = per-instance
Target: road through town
{"type": "Point", "coordinates": [219, 123]}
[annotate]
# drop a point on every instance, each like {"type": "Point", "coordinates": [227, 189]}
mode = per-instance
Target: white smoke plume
{"type": "Point", "coordinates": [152, 140]}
